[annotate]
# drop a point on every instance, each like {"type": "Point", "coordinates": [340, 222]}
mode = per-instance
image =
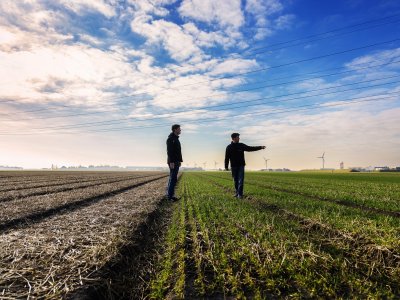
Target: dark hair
{"type": "Point", "coordinates": [175, 126]}
{"type": "Point", "coordinates": [234, 135]}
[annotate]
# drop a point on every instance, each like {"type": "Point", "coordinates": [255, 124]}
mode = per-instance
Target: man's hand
{"type": "Point", "coordinates": [172, 166]}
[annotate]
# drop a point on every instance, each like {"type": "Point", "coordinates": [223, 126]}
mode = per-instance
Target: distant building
{"type": "Point", "coordinates": [4, 168]}
{"type": "Point", "coordinates": [277, 170]}
{"type": "Point", "coordinates": [341, 165]}
{"type": "Point", "coordinates": [385, 168]}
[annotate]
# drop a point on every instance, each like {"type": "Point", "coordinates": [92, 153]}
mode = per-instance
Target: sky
{"type": "Point", "coordinates": [96, 82]}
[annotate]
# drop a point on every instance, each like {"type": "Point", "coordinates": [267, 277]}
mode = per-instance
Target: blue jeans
{"type": "Point", "coordinates": [238, 178]}
{"type": "Point", "coordinates": [173, 178]}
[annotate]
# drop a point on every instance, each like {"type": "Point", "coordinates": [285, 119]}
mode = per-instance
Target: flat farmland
{"type": "Point", "coordinates": [110, 235]}
{"type": "Point", "coordinates": [68, 234]}
{"type": "Point", "coordinates": [294, 235]}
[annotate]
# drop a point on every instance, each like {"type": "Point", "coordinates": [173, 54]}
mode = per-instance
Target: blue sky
{"type": "Point", "coordinates": [102, 81]}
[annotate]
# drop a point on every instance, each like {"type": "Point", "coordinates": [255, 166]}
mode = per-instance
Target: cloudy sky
{"type": "Point", "coordinates": [102, 81]}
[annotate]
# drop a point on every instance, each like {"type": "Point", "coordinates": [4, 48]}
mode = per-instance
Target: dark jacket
{"type": "Point", "coordinates": [235, 153]}
{"type": "Point", "coordinates": [174, 149]}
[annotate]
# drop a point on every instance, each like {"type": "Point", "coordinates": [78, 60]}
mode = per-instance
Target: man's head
{"type": "Point", "coordinates": [235, 137]}
{"type": "Point", "coordinates": [176, 129]}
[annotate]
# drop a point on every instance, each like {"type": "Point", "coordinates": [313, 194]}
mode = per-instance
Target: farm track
{"type": "Point", "coordinates": [39, 215]}
{"type": "Point", "coordinates": [359, 248]}
{"type": "Point", "coordinates": [52, 182]}
{"type": "Point", "coordinates": [79, 253]}
{"type": "Point", "coordinates": [63, 188]}
{"type": "Point", "coordinates": [346, 203]}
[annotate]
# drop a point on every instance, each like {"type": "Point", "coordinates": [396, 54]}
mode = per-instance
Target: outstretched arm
{"type": "Point", "coordinates": [255, 148]}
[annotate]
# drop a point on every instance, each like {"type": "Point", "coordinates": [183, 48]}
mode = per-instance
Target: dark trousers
{"type": "Point", "coordinates": [238, 178]}
{"type": "Point", "coordinates": [173, 178]}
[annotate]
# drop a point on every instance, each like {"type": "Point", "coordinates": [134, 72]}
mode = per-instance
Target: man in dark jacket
{"type": "Point", "coordinates": [235, 154]}
{"type": "Point", "coordinates": [174, 160]}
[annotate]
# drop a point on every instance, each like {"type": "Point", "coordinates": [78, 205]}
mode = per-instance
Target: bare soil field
{"type": "Point", "coordinates": [63, 235]}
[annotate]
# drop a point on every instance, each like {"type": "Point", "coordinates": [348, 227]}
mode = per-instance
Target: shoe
{"type": "Point", "coordinates": [174, 199]}
{"type": "Point", "coordinates": [239, 197]}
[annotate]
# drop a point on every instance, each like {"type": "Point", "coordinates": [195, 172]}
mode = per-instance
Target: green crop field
{"type": "Point", "coordinates": [307, 235]}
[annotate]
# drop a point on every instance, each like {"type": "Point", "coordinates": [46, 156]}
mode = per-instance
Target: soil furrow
{"type": "Point", "coordinates": [66, 208]}
{"type": "Point", "coordinates": [62, 189]}
{"type": "Point", "coordinates": [52, 183]}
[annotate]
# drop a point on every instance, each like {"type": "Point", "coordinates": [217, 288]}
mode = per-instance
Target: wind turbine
{"type": "Point", "coordinates": [215, 165]}
{"type": "Point", "coordinates": [323, 160]}
{"type": "Point", "coordinates": [266, 163]}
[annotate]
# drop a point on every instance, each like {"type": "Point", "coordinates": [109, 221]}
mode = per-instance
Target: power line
{"type": "Point", "coordinates": [196, 110]}
{"type": "Point", "coordinates": [327, 37]}
{"type": "Point", "coordinates": [267, 68]}
{"type": "Point", "coordinates": [330, 31]}
{"type": "Point", "coordinates": [260, 113]}
{"type": "Point", "coordinates": [309, 36]}
{"type": "Point", "coordinates": [227, 93]}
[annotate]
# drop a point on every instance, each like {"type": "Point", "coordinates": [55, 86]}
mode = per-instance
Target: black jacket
{"type": "Point", "coordinates": [235, 153]}
{"type": "Point", "coordinates": [174, 149]}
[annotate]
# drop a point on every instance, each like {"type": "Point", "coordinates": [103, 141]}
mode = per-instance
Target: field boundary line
{"type": "Point", "coordinates": [66, 208]}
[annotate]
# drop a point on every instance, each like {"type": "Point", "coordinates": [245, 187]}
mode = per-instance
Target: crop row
{"type": "Point", "coordinates": [22, 177]}
{"type": "Point", "coordinates": [23, 211]}
{"type": "Point", "coordinates": [220, 247]}
{"type": "Point", "coordinates": [348, 189]}
{"type": "Point", "coordinates": [61, 255]}
{"type": "Point", "coordinates": [50, 189]}
{"type": "Point", "coordinates": [363, 248]}
{"type": "Point", "coordinates": [380, 229]}
{"type": "Point", "coordinates": [54, 181]}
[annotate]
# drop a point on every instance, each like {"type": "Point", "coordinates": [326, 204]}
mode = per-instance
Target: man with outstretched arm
{"type": "Point", "coordinates": [235, 154]}
{"type": "Point", "coordinates": [174, 160]}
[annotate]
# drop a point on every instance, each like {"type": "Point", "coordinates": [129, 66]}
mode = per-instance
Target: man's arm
{"type": "Point", "coordinates": [254, 148]}
{"type": "Point", "coordinates": [227, 157]}
{"type": "Point", "coordinates": [171, 152]}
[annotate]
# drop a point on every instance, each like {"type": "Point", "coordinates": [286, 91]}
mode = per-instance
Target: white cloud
{"type": "Point", "coordinates": [224, 13]}
{"type": "Point", "coordinates": [84, 6]}
{"type": "Point", "coordinates": [155, 7]}
{"type": "Point", "coordinates": [209, 39]}
{"type": "Point", "coordinates": [62, 73]}
{"type": "Point", "coordinates": [379, 57]}
{"type": "Point", "coordinates": [180, 45]}
{"type": "Point", "coordinates": [262, 10]}
{"type": "Point", "coordinates": [284, 22]}
{"type": "Point", "coordinates": [234, 66]}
